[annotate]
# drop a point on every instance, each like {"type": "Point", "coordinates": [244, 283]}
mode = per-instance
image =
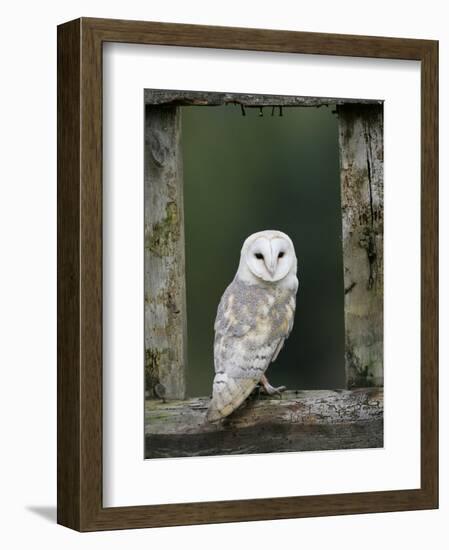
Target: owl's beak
{"type": "Point", "coordinates": [271, 267]}
{"type": "Point", "coordinates": [272, 260]}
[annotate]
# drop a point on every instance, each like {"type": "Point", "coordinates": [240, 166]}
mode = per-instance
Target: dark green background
{"type": "Point", "coordinates": [243, 174]}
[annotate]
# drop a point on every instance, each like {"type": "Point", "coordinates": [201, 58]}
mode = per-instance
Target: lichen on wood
{"type": "Point", "coordinates": [165, 311]}
{"type": "Point", "coordinates": [164, 234]}
{"type": "Point", "coordinates": [361, 172]}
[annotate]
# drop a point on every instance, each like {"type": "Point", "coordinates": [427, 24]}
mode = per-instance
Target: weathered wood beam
{"type": "Point", "coordinates": [165, 302]}
{"type": "Point", "coordinates": [361, 172]}
{"type": "Point", "coordinates": [301, 420]}
{"type": "Point", "coordinates": [187, 97]}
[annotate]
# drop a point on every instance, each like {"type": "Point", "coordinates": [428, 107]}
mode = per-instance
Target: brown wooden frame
{"type": "Point", "coordinates": [80, 274]}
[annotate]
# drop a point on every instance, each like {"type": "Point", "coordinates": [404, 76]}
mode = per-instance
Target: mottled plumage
{"type": "Point", "coordinates": [254, 317]}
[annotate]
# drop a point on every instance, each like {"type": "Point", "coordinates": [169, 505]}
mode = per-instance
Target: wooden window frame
{"type": "Point", "coordinates": [350, 417]}
{"type": "Point", "coordinates": [80, 480]}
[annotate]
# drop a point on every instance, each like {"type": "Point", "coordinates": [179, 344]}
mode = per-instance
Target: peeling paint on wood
{"type": "Point", "coordinates": [361, 169]}
{"type": "Point", "coordinates": [165, 311]}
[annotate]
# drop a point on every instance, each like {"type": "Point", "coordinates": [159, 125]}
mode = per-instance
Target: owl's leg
{"type": "Point", "coordinates": [269, 389]}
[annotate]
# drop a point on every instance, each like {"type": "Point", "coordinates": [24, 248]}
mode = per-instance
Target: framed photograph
{"type": "Point", "coordinates": [247, 257]}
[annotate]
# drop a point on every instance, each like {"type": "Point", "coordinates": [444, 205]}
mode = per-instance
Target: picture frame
{"type": "Point", "coordinates": [80, 276]}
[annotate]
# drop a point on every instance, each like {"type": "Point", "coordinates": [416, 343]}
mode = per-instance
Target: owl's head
{"type": "Point", "coordinates": [268, 255]}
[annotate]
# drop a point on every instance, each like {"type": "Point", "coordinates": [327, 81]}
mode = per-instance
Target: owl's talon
{"type": "Point", "coordinates": [270, 390]}
{"type": "Point", "coordinates": [278, 391]}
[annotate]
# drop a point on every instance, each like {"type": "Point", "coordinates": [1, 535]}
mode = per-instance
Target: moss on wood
{"type": "Point", "coordinates": [165, 233]}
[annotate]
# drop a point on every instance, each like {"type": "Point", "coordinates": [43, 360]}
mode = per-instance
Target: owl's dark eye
{"type": "Point", "coordinates": [259, 256]}
{"type": "Point", "coordinates": [281, 254]}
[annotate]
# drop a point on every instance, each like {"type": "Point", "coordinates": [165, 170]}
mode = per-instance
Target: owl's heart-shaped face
{"type": "Point", "coordinates": [270, 255]}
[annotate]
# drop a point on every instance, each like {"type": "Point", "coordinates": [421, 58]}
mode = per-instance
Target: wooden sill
{"type": "Point", "coordinates": [301, 421]}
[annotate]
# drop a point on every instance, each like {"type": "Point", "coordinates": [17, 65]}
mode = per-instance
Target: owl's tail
{"type": "Point", "coordinates": [213, 414]}
{"type": "Point", "coordinates": [228, 395]}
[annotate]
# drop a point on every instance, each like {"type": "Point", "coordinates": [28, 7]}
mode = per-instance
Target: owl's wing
{"type": "Point", "coordinates": [245, 344]}
{"type": "Point", "coordinates": [290, 317]}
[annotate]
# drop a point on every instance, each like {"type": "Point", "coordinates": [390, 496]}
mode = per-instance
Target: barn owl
{"type": "Point", "coordinates": [254, 317]}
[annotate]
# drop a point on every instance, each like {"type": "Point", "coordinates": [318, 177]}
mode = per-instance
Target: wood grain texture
{"type": "Point", "coordinates": [268, 40]}
{"type": "Point", "coordinates": [203, 98]}
{"type": "Point", "coordinates": [362, 206]}
{"type": "Point", "coordinates": [89, 186]}
{"type": "Point", "coordinates": [165, 298]}
{"type": "Point", "coordinates": [69, 408]}
{"type": "Point", "coordinates": [295, 407]}
{"type": "Point", "coordinates": [429, 272]}
{"type": "Point", "coordinates": [267, 438]}
{"type": "Point", "coordinates": [79, 250]}
{"type": "Point", "coordinates": [300, 421]}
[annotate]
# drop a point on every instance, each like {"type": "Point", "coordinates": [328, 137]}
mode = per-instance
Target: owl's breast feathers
{"type": "Point", "coordinates": [251, 325]}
